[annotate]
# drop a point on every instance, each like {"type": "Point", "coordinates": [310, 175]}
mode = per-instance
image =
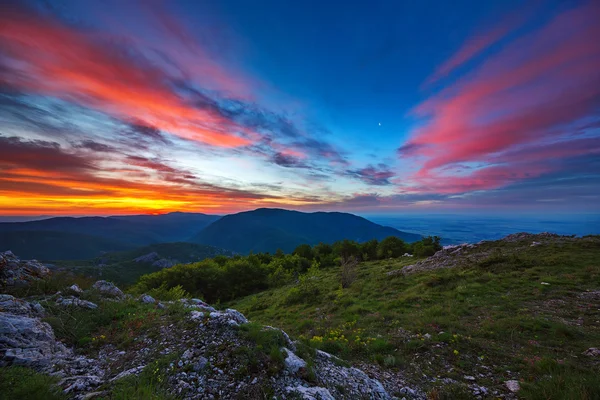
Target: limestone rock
{"type": "Point", "coordinates": [108, 289]}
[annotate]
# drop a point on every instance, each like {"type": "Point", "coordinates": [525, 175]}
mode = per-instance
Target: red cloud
{"type": "Point", "coordinates": [524, 97]}
{"type": "Point", "coordinates": [44, 56]}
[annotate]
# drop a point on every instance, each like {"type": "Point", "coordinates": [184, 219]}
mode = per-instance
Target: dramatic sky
{"type": "Point", "coordinates": [111, 107]}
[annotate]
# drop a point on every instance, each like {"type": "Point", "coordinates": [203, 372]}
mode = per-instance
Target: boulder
{"type": "Point", "coordinates": [147, 299]}
{"type": "Point", "coordinates": [27, 341]}
{"type": "Point", "coordinates": [15, 272]}
{"type": "Point", "coordinates": [592, 352]}
{"type": "Point", "coordinates": [12, 305]}
{"type": "Point", "coordinates": [72, 301]}
{"type": "Point", "coordinates": [293, 363]}
{"type": "Point", "coordinates": [513, 385]}
{"type": "Point", "coordinates": [108, 289]}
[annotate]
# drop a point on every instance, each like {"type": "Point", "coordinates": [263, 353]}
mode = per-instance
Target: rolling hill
{"type": "Point", "coordinates": [53, 245]}
{"type": "Point", "coordinates": [69, 238]}
{"type": "Point", "coordinates": [269, 229]}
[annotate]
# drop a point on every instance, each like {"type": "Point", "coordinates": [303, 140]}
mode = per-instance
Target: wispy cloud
{"type": "Point", "coordinates": [510, 117]}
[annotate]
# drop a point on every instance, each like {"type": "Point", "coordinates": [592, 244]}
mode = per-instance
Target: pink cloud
{"type": "Point", "coordinates": [44, 56]}
{"type": "Point", "coordinates": [516, 102]}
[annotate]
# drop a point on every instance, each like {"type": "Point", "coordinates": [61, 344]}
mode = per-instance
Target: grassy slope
{"type": "Point", "coordinates": [496, 317]}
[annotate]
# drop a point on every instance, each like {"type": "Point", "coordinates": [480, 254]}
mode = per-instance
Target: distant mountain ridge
{"type": "Point", "coordinates": [269, 229]}
{"type": "Point", "coordinates": [71, 238]}
{"type": "Point", "coordinates": [260, 230]}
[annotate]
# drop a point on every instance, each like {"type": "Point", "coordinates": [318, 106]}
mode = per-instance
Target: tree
{"type": "Point", "coordinates": [368, 250]}
{"type": "Point", "coordinates": [304, 250]}
{"type": "Point", "coordinates": [391, 247]}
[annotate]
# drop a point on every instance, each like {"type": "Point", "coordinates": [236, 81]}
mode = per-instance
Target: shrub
{"type": "Point", "coordinates": [348, 272]}
{"type": "Point", "coordinates": [391, 247]}
{"type": "Point", "coordinates": [169, 294]}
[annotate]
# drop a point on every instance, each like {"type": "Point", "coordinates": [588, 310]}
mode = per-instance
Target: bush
{"type": "Point", "coordinates": [348, 272]}
{"type": "Point", "coordinates": [391, 247]}
{"type": "Point", "coordinates": [427, 247]}
{"type": "Point", "coordinates": [169, 294]}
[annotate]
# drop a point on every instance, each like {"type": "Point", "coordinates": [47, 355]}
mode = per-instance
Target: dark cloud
{"type": "Point", "coordinates": [373, 175]}
{"type": "Point", "coordinates": [38, 154]}
{"type": "Point", "coordinates": [94, 146]}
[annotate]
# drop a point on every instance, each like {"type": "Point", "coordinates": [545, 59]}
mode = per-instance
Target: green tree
{"type": "Point", "coordinates": [391, 247]}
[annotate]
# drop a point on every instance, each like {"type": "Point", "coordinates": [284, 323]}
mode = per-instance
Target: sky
{"type": "Point", "coordinates": [111, 107]}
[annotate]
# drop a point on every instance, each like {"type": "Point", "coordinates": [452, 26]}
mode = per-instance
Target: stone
{"type": "Point", "coordinates": [72, 301]}
{"type": "Point", "coordinates": [131, 371]}
{"type": "Point", "coordinates": [147, 299]}
{"type": "Point", "coordinates": [293, 363]}
{"type": "Point", "coordinates": [592, 352]}
{"type": "Point", "coordinates": [513, 385]}
{"type": "Point", "coordinates": [76, 289]}
{"type": "Point", "coordinates": [27, 341]}
{"type": "Point", "coordinates": [197, 315]}
{"type": "Point", "coordinates": [200, 364]}
{"type": "Point", "coordinates": [108, 289]}
{"type": "Point", "coordinates": [147, 258]}
{"type": "Point", "coordinates": [469, 378]}
{"type": "Point", "coordinates": [311, 393]}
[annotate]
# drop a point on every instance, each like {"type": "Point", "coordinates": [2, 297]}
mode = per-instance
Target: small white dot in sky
{"type": "Point", "coordinates": [380, 124]}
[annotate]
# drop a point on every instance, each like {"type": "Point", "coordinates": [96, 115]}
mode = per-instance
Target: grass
{"type": "Point", "coordinates": [18, 383]}
{"type": "Point", "coordinates": [267, 350]}
{"type": "Point", "coordinates": [150, 384]}
{"type": "Point", "coordinates": [494, 313]}
{"type": "Point", "coordinates": [118, 323]}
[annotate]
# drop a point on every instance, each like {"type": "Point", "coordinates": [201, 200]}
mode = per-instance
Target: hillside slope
{"type": "Point", "coordinates": [57, 238]}
{"type": "Point", "coordinates": [52, 245]}
{"type": "Point", "coordinates": [460, 324]}
{"type": "Point", "coordinates": [266, 230]}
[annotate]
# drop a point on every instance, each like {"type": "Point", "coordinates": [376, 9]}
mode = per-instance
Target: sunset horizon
{"type": "Point", "coordinates": [186, 107]}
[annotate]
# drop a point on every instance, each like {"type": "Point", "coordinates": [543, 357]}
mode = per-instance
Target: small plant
{"type": "Point", "coordinates": [169, 294]}
{"type": "Point", "coordinates": [348, 271]}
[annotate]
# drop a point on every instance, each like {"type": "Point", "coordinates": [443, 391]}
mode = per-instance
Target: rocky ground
{"type": "Point", "coordinates": [210, 354]}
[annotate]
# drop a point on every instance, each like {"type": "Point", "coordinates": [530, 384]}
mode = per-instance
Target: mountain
{"type": "Point", "coordinates": [101, 233]}
{"type": "Point", "coordinates": [269, 229]}
{"type": "Point", "coordinates": [53, 245]}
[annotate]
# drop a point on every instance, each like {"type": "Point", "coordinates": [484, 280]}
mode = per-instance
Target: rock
{"type": "Point", "coordinates": [311, 393]}
{"type": "Point", "coordinates": [27, 341]}
{"type": "Point", "coordinates": [592, 352]}
{"type": "Point", "coordinates": [545, 283]}
{"type": "Point", "coordinates": [197, 315]}
{"type": "Point", "coordinates": [147, 299]}
{"type": "Point", "coordinates": [75, 289]}
{"type": "Point", "coordinates": [469, 378]}
{"type": "Point", "coordinates": [130, 371]}
{"type": "Point", "coordinates": [147, 258]}
{"type": "Point", "coordinates": [164, 263]}
{"type": "Point", "coordinates": [108, 289]}
{"type": "Point", "coordinates": [14, 272]}
{"type": "Point", "coordinates": [534, 244]}
{"type": "Point", "coordinates": [12, 305]}
{"type": "Point", "coordinates": [293, 363]}
{"type": "Point", "coordinates": [513, 386]}
{"type": "Point", "coordinates": [200, 364]}
{"type": "Point", "coordinates": [237, 316]}
{"type": "Point", "coordinates": [72, 301]}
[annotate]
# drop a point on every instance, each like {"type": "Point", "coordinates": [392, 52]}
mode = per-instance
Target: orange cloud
{"type": "Point", "coordinates": [47, 57]}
